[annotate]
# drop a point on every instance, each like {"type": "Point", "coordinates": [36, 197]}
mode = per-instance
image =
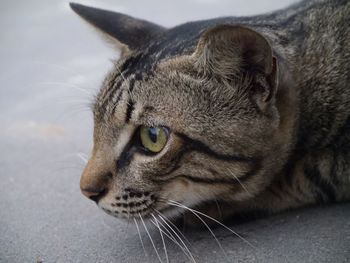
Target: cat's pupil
{"type": "Point", "coordinates": [153, 134]}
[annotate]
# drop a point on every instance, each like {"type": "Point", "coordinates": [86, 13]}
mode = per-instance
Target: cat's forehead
{"type": "Point", "coordinates": [173, 98]}
{"type": "Point", "coordinates": [143, 64]}
{"type": "Point", "coordinates": [168, 87]}
{"type": "Point", "coordinates": [175, 42]}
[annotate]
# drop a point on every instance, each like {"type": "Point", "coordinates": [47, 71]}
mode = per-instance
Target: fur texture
{"type": "Point", "coordinates": [258, 110]}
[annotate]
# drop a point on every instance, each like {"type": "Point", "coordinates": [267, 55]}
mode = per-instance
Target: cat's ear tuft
{"type": "Point", "coordinates": [228, 51]}
{"type": "Point", "coordinates": [126, 30]}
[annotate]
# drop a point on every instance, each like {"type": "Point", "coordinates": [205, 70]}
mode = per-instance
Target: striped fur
{"type": "Point", "coordinates": [258, 109]}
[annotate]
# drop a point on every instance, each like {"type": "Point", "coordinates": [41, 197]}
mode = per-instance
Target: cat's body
{"type": "Point", "coordinates": [257, 110]}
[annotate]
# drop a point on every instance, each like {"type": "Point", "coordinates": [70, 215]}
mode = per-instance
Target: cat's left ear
{"type": "Point", "coordinates": [228, 52]}
{"type": "Point", "coordinates": [122, 29]}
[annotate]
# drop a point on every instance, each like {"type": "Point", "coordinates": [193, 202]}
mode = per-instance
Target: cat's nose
{"type": "Point", "coordinates": [95, 180]}
{"type": "Point", "coordinates": [94, 194]}
{"type": "Point", "coordinates": [94, 186]}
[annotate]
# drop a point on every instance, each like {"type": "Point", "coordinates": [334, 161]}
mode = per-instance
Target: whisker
{"type": "Point", "coordinates": [69, 100]}
{"type": "Point", "coordinates": [71, 108]}
{"type": "Point", "coordinates": [167, 233]}
{"type": "Point", "coordinates": [179, 238]}
{"type": "Point", "coordinates": [150, 238]}
{"type": "Point", "coordinates": [121, 74]}
{"type": "Point", "coordinates": [64, 68]}
{"type": "Point", "coordinates": [65, 84]}
{"type": "Point", "coordinates": [239, 181]}
{"type": "Point", "coordinates": [206, 225]}
{"type": "Point", "coordinates": [173, 225]}
{"type": "Point", "coordinates": [82, 157]}
{"type": "Point", "coordinates": [161, 235]}
{"type": "Point", "coordinates": [138, 231]}
{"type": "Point", "coordinates": [172, 238]}
{"type": "Point", "coordinates": [216, 221]}
{"type": "Point", "coordinates": [218, 207]}
{"type": "Point", "coordinates": [128, 223]}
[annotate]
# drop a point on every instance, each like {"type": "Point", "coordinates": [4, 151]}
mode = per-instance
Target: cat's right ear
{"type": "Point", "coordinates": [127, 32]}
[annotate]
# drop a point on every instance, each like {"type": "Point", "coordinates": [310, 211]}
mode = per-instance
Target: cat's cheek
{"type": "Point", "coordinates": [184, 192]}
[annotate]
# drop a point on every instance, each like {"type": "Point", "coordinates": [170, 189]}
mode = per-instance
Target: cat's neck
{"type": "Point", "coordinates": [316, 55]}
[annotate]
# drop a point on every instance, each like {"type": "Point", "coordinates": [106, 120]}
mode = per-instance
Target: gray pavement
{"type": "Point", "coordinates": [51, 65]}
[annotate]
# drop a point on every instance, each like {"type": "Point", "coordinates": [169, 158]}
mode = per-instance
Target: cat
{"type": "Point", "coordinates": [223, 116]}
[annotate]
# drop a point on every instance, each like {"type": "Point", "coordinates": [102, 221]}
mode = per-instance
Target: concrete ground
{"type": "Point", "coordinates": [51, 65]}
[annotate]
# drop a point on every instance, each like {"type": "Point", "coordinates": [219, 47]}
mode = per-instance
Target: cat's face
{"type": "Point", "coordinates": [190, 126]}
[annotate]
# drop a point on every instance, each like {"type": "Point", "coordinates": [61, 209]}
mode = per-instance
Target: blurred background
{"type": "Point", "coordinates": [52, 64]}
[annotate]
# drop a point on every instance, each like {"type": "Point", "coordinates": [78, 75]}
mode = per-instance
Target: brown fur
{"type": "Point", "coordinates": [258, 109]}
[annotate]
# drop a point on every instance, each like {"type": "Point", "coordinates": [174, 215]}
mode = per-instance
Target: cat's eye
{"type": "Point", "coordinates": [153, 139]}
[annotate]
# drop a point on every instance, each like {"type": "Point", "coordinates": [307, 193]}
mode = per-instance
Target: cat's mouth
{"type": "Point", "coordinates": [126, 207]}
{"type": "Point", "coordinates": [130, 206]}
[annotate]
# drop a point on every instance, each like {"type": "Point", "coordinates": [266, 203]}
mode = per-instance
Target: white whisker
{"type": "Point", "coordinates": [128, 222]}
{"type": "Point", "coordinates": [239, 181]}
{"type": "Point", "coordinates": [64, 68]}
{"type": "Point", "coordinates": [206, 225]}
{"type": "Point", "coordinates": [121, 74]}
{"type": "Point", "coordinates": [218, 206]}
{"type": "Point", "coordinates": [138, 231]}
{"type": "Point", "coordinates": [172, 238]}
{"type": "Point", "coordinates": [173, 225]}
{"type": "Point", "coordinates": [216, 221]}
{"type": "Point", "coordinates": [69, 100]}
{"type": "Point", "coordinates": [150, 238]}
{"type": "Point", "coordinates": [83, 157]}
{"type": "Point", "coordinates": [161, 235]}
{"type": "Point", "coordinates": [65, 84]}
{"type": "Point", "coordinates": [169, 235]}
{"type": "Point", "coordinates": [179, 238]}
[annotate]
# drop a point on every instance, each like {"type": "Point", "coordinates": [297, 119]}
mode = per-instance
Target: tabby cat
{"type": "Point", "coordinates": [227, 116]}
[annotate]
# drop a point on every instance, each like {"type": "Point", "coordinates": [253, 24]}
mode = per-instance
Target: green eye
{"type": "Point", "coordinates": [153, 138]}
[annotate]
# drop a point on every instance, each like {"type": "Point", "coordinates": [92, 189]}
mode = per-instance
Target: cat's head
{"type": "Point", "coordinates": [189, 114]}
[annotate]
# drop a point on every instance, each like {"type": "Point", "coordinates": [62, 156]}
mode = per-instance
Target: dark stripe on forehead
{"type": "Point", "coordinates": [107, 98]}
{"type": "Point", "coordinates": [116, 102]}
{"type": "Point", "coordinates": [121, 72]}
{"type": "Point", "coordinates": [131, 85]}
{"type": "Point", "coordinates": [110, 98]}
{"type": "Point", "coordinates": [130, 62]}
{"type": "Point", "coordinates": [114, 84]}
{"type": "Point", "coordinates": [111, 83]}
{"type": "Point", "coordinates": [134, 64]}
{"type": "Point", "coordinates": [202, 148]}
{"type": "Point", "coordinates": [129, 110]}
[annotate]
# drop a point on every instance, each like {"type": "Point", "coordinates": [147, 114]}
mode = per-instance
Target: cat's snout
{"type": "Point", "coordinates": [94, 182]}
{"type": "Point", "coordinates": [94, 194]}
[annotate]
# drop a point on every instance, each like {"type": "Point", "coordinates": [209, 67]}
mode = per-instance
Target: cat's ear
{"type": "Point", "coordinates": [123, 29]}
{"type": "Point", "coordinates": [228, 51]}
